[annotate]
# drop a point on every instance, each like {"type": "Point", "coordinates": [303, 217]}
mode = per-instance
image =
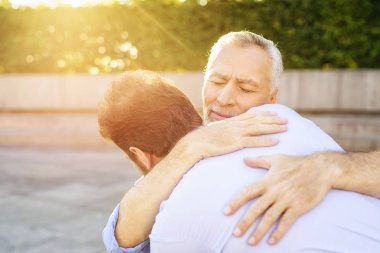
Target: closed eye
{"type": "Point", "coordinates": [217, 82]}
{"type": "Point", "coordinates": [246, 90]}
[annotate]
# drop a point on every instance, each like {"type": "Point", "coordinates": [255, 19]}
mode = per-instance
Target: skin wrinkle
{"type": "Point", "coordinates": [237, 80]}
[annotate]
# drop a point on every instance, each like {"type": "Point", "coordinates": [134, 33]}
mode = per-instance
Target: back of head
{"type": "Point", "coordinates": [246, 39]}
{"type": "Point", "coordinates": [146, 111]}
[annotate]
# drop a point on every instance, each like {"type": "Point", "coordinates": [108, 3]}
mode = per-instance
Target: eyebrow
{"type": "Point", "coordinates": [219, 75]}
{"type": "Point", "coordinates": [248, 81]}
{"type": "Point", "coordinates": [238, 80]}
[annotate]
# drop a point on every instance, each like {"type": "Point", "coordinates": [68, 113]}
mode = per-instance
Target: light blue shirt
{"type": "Point", "coordinates": [110, 241]}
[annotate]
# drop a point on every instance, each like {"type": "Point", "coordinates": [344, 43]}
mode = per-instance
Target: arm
{"type": "Point", "coordinates": [140, 204]}
{"type": "Point", "coordinates": [294, 185]}
{"type": "Point", "coordinates": [112, 246]}
{"type": "Point", "coordinates": [358, 172]}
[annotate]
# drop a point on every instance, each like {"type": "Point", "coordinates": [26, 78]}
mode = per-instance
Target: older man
{"type": "Point", "coordinates": [243, 71]}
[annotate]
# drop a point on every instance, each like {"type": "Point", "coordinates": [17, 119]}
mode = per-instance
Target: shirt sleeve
{"type": "Point", "coordinates": [110, 242]}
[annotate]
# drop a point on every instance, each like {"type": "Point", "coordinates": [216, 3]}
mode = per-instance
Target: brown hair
{"type": "Point", "coordinates": [145, 110]}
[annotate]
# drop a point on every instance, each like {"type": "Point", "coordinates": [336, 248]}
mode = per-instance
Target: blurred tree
{"type": "Point", "coordinates": [174, 35]}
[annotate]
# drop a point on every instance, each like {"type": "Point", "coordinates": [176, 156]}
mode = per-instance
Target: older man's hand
{"type": "Point", "coordinates": [292, 186]}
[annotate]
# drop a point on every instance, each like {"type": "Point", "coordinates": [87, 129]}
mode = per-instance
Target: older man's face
{"type": "Point", "coordinates": [236, 81]}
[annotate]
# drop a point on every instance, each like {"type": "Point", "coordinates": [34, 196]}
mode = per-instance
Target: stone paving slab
{"type": "Point", "coordinates": [58, 200]}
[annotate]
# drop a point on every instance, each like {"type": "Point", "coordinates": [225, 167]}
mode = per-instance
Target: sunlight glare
{"type": "Point", "coordinates": [55, 3]}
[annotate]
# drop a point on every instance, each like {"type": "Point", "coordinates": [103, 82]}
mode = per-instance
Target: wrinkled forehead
{"type": "Point", "coordinates": [241, 63]}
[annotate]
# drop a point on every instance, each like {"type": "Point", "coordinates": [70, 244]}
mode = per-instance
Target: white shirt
{"type": "Point", "coordinates": [192, 219]}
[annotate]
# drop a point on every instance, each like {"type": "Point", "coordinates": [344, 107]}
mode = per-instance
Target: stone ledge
{"type": "Point", "coordinates": [304, 90]}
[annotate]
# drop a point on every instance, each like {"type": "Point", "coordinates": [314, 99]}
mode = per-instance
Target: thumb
{"type": "Point", "coordinates": [257, 162]}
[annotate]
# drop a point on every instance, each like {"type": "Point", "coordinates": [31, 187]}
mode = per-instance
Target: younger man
{"type": "Point", "coordinates": [145, 116]}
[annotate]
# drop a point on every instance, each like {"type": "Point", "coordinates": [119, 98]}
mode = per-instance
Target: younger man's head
{"type": "Point", "coordinates": [145, 115]}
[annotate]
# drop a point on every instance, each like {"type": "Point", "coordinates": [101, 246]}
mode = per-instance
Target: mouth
{"type": "Point", "coordinates": [215, 116]}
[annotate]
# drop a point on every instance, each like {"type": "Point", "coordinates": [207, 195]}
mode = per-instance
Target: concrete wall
{"type": "Point", "coordinates": [346, 104]}
{"type": "Point", "coordinates": [332, 91]}
{"type": "Point", "coordinates": [317, 91]}
{"type": "Point", "coordinates": [72, 92]}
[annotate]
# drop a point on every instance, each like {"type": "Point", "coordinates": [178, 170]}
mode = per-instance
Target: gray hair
{"type": "Point", "coordinates": [246, 39]}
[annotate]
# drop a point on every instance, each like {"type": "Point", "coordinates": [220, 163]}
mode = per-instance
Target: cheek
{"type": "Point", "coordinates": [209, 94]}
{"type": "Point", "coordinates": [253, 100]}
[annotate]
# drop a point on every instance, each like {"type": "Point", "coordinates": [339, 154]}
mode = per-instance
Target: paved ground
{"type": "Point", "coordinates": [58, 200]}
{"type": "Point", "coordinates": [59, 181]}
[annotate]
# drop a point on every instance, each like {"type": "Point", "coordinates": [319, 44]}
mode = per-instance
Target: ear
{"type": "Point", "coordinates": [143, 158]}
{"type": "Point", "coordinates": [273, 96]}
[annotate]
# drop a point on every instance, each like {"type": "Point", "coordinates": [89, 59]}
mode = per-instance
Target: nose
{"type": "Point", "coordinates": [226, 95]}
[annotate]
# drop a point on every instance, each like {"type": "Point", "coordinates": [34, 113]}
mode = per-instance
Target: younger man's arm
{"type": "Point", "coordinates": [140, 204]}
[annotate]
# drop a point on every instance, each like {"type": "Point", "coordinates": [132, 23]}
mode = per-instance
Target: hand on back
{"type": "Point", "coordinates": [235, 133]}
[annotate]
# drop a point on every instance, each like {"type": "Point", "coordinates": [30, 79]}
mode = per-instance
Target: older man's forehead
{"type": "Point", "coordinates": [237, 79]}
{"type": "Point", "coordinates": [249, 81]}
{"type": "Point", "coordinates": [220, 75]}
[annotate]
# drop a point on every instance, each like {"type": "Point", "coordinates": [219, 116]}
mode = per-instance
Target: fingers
{"type": "Point", "coordinates": [269, 218]}
{"type": "Point", "coordinates": [253, 142]}
{"type": "Point", "coordinates": [259, 129]}
{"type": "Point", "coordinates": [252, 214]}
{"type": "Point", "coordinates": [257, 163]}
{"type": "Point", "coordinates": [265, 117]}
{"type": "Point", "coordinates": [264, 120]}
{"type": "Point", "coordinates": [285, 223]}
{"type": "Point", "coordinates": [274, 120]}
{"type": "Point", "coordinates": [254, 123]}
{"type": "Point", "coordinates": [250, 115]}
{"type": "Point", "coordinates": [249, 193]}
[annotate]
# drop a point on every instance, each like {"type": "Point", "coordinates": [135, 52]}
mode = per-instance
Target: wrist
{"type": "Point", "coordinates": [190, 148]}
{"type": "Point", "coordinates": [180, 159]}
{"type": "Point", "coordinates": [332, 164]}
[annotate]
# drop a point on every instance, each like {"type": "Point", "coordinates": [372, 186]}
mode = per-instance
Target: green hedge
{"type": "Point", "coordinates": [173, 36]}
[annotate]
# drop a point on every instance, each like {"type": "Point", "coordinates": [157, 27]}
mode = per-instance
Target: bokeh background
{"type": "Point", "coordinates": [59, 180]}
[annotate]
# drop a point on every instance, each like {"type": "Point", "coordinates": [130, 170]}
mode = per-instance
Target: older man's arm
{"type": "Point", "coordinates": [359, 172]}
{"type": "Point", "coordinates": [141, 203]}
{"type": "Point", "coordinates": [294, 185]}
